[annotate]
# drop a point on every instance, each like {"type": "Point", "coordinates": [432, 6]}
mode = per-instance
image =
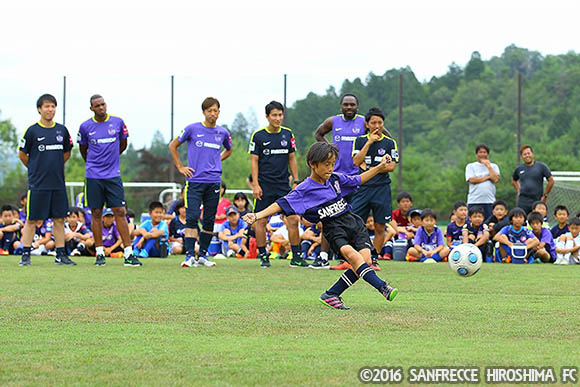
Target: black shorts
{"type": "Point", "coordinates": [346, 229]}
{"type": "Point", "coordinates": [47, 204]}
{"type": "Point", "coordinates": [376, 198]}
{"type": "Point", "coordinates": [101, 191]}
{"type": "Point", "coordinates": [270, 193]}
{"type": "Point", "coordinates": [197, 194]}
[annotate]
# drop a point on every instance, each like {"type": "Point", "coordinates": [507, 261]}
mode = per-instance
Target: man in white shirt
{"type": "Point", "coordinates": [482, 176]}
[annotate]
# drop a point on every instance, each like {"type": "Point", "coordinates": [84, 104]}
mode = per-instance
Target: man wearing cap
{"type": "Point", "coordinates": [233, 233]}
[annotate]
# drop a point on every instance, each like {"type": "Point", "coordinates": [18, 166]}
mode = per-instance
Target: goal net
{"type": "Point", "coordinates": [566, 192]}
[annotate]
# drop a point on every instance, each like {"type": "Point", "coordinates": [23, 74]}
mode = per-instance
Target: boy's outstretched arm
{"type": "Point", "coordinates": [250, 218]}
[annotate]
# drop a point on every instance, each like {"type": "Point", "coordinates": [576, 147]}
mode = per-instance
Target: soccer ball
{"type": "Point", "coordinates": [465, 260]}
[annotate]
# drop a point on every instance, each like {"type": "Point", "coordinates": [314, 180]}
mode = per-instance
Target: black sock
{"type": "Point", "coordinates": [368, 274]}
{"type": "Point", "coordinates": [346, 280]}
{"type": "Point", "coordinates": [204, 241]}
{"type": "Point", "coordinates": [189, 245]}
{"type": "Point", "coordinates": [60, 252]}
{"type": "Point", "coordinates": [262, 250]}
{"type": "Point", "coordinates": [295, 252]}
{"type": "Point", "coordinates": [26, 250]}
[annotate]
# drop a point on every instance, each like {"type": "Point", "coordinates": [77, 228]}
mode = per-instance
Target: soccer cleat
{"type": "Point", "coordinates": [132, 261]}
{"type": "Point", "coordinates": [189, 262]}
{"type": "Point", "coordinates": [341, 266]}
{"type": "Point", "coordinates": [319, 264]}
{"type": "Point", "coordinates": [100, 261]}
{"type": "Point", "coordinates": [299, 262]}
{"type": "Point", "coordinates": [25, 261]}
{"type": "Point", "coordinates": [375, 264]}
{"type": "Point", "coordinates": [264, 260]}
{"type": "Point", "coordinates": [64, 261]}
{"type": "Point", "coordinates": [203, 261]}
{"type": "Point", "coordinates": [389, 292]}
{"type": "Point", "coordinates": [333, 301]}
{"type": "Point", "coordinates": [387, 257]}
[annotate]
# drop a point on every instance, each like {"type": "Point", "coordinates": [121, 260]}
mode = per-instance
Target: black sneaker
{"type": "Point", "coordinates": [319, 264]}
{"type": "Point", "coordinates": [389, 292]}
{"type": "Point", "coordinates": [25, 261]}
{"type": "Point", "coordinates": [333, 301]}
{"type": "Point", "coordinates": [298, 262]}
{"type": "Point", "coordinates": [132, 261]}
{"type": "Point", "coordinates": [64, 261]}
{"type": "Point", "coordinates": [264, 260]}
{"type": "Point", "coordinates": [100, 260]}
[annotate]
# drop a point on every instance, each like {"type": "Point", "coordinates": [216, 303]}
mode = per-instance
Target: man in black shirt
{"type": "Point", "coordinates": [528, 180]}
{"type": "Point", "coordinates": [272, 151]}
{"type": "Point", "coordinates": [44, 148]}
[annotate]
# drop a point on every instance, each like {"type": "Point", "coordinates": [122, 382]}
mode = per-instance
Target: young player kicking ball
{"type": "Point", "coordinates": [320, 198]}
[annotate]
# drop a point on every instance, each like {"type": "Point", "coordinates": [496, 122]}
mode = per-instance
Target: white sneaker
{"type": "Point", "coordinates": [75, 253]}
{"type": "Point", "coordinates": [231, 253]}
{"type": "Point", "coordinates": [38, 251]}
{"type": "Point", "coordinates": [205, 262]}
{"type": "Point", "coordinates": [189, 262]}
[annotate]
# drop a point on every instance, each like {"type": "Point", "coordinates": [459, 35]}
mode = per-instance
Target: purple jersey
{"type": "Point", "coordinates": [344, 133]}
{"type": "Point", "coordinates": [455, 232]}
{"type": "Point", "coordinates": [204, 151]}
{"type": "Point", "coordinates": [429, 242]}
{"type": "Point", "coordinates": [520, 236]}
{"type": "Point", "coordinates": [546, 237]}
{"type": "Point", "coordinates": [471, 230]}
{"type": "Point", "coordinates": [110, 235]}
{"type": "Point", "coordinates": [102, 139]}
{"type": "Point", "coordinates": [320, 202]}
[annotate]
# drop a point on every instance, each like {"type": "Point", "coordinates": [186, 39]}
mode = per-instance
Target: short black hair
{"type": "Point", "coordinates": [476, 210]}
{"type": "Point", "coordinates": [45, 98]}
{"type": "Point", "coordinates": [499, 203]}
{"type": "Point", "coordinates": [95, 96]}
{"type": "Point", "coordinates": [459, 204]}
{"type": "Point", "coordinates": [348, 95]}
{"type": "Point", "coordinates": [223, 185]}
{"type": "Point", "coordinates": [274, 105]}
{"type": "Point", "coordinates": [130, 213]}
{"type": "Point", "coordinates": [374, 111]}
{"type": "Point", "coordinates": [482, 146]}
{"type": "Point", "coordinates": [404, 195]}
{"type": "Point", "coordinates": [243, 196]}
{"type": "Point", "coordinates": [575, 221]}
{"type": "Point", "coordinates": [320, 152]}
{"type": "Point", "coordinates": [6, 207]}
{"type": "Point", "coordinates": [179, 203]}
{"type": "Point", "coordinates": [516, 211]}
{"type": "Point", "coordinates": [428, 212]}
{"type": "Point", "coordinates": [539, 203]}
{"type": "Point", "coordinates": [560, 207]}
{"type": "Point", "coordinates": [154, 205]}
{"type": "Point", "coordinates": [76, 210]}
{"type": "Point", "coordinates": [535, 216]}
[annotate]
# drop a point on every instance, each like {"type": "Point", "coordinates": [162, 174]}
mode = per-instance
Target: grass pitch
{"type": "Point", "coordinates": [240, 324]}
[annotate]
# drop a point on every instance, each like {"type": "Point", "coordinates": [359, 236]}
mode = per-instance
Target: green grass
{"type": "Point", "coordinates": [239, 324]}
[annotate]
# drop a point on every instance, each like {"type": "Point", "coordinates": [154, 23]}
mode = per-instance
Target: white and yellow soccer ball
{"type": "Point", "coordinates": [465, 260]}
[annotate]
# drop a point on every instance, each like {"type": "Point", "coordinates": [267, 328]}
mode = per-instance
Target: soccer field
{"type": "Point", "coordinates": [239, 324]}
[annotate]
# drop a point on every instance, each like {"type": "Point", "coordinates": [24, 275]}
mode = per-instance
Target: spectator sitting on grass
{"type": "Point", "coordinates": [242, 203]}
{"type": "Point", "coordinates": [569, 244]}
{"type": "Point", "coordinates": [512, 234]}
{"type": "Point", "coordinates": [233, 233]}
{"type": "Point", "coordinates": [112, 243]}
{"type": "Point", "coordinates": [561, 214]}
{"type": "Point", "coordinates": [42, 242]}
{"type": "Point", "coordinates": [475, 231]}
{"type": "Point", "coordinates": [152, 235]}
{"type": "Point", "coordinates": [542, 208]}
{"type": "Point", "coordinates": [281, 241]}
{"type": "Point", "coordinates": [454, 233]}
{"type": "Point", "coordinates": [22, 211]}
{"type": "Point", "coordinates": [131, 222]}
{"type": "Point", "coordinates": [224, 203]}
{"type": "Point", "coordinates": [311, 239]}
{"type": "Point", "coordinates": [78, 238]}
{"type": "Point", "coordinates": [9, 230]}
{"type": "Point", "coordinates": [498, 219]}
{"type": "Point", "coordinates": [546, 250]}
{"type": "Point", "coordinates": [429, 243]}
{"type": "Point", "coordinates": [404, 204]}
{"type": "Point", "coordinates": [177, 228]}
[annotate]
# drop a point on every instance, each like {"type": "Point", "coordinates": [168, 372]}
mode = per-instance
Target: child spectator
{"type": "Point", "coordinates": [43, 241]}
{"type": "Point", "coordinates": [233, 233]}
{"type": "Point", "coordinates": [22, 212]}
{"type": "Point", "coordinates": [87, 214]}
{"type": "Point", "coordinates": [404, 203]}
{"type": "Point", "coordinates": [281, 241]}
{"type": "Point", "coordinates": [542, 208]}
{"type": "Point", "coordinates": [561, 214]}
{"type": "Point", "coordinates": [311, 239]}
{"type": "Point", "coordinates": [177, 228]}
{"type": "Point", "coordinates": [152, 235]}
{"type": "Point", "coordinates": [498, 219]}
{"type": "Point", "coordinates": [569, 244]}
{"type": "Point", "coordinates": [76, 235]}
{"type": "Point", "coordinates": [220, 215]}
{"type": "Point", "coordinates": [512, 234]}
{"type": "Point", "coordinates": [242, 203]}
{"type": "Point", "coordinates": [546, 250]}
{"type": "Point", "coordinates": [131, 222]}
{"type": "Point", "coordinates": [370, 225]}
{"type": "Point", "coordinates": [454, 233]}
{"type": "Point", "coordinates": [429, 243]}
{"type": "Point", "coordinates": [9, 230]}
{"type": "Point", "coordinates": [112, 243]}
{"type": "Point", "coordinates": [475, 231]}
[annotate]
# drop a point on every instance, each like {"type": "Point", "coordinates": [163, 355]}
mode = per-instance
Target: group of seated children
{"type": "Point", "coordinates": [508, 237]}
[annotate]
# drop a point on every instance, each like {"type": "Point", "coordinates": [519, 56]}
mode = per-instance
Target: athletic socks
{"type": "Point", "coordinates": [346, 280]}
{"type": "Point", "coordinates": [295, 252]}
{"type": "Point", "coordinates": [368, 274]}
{"type": "Point", "coordinates": [305, 246]}
{"type": "Point", "coordinates": [189, 245]}
{"type": "Point", "coordinates": [26, 250]}
{"type": "Point", "coordinates": [204, 241]}
{"type": "Point", "coordinates": [100, 250]}
{"type": "Point", "coordinates": [262, 250]}
{"type": "Point", "coordinates": [127, 252]}
{"type": "Point", "coordinates": [324, 256]}
{"type": "Point", "coordinates": [60, 252]}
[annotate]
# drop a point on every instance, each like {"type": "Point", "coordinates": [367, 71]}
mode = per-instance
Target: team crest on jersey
{"type": "Point", "coordinates": [337, 138]}
{"type": "Point", "coordinates": [337, 186]}
{"type": "Point", "coordinates": [41, 147]}
{"type": "Point", "coordinates": [356, 130]}
{"type": "Point", "coordinates": [199, 144]}
{"type": "Point", "coordinates": [93, 141]}
{"type": "Point", "coordinates": [111, 130]}
{"type": "Point", "coordinates": [217, 138]}
{"type": "Point", "coordinates": [523, 238]}
{"type": "Point", "coordinates": [381, 151]}
{"type": "Point", "coordinates": [266, 151]}
{"type": "Point", "coordinates": [59, 138]}
{"type": "Point", "coordinates": [284, 143]}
